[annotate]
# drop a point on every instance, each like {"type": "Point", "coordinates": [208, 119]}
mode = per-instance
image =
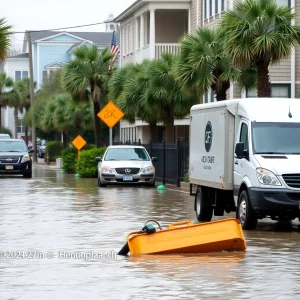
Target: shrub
{"type": "Point", "coordinates": [5, 130]}
{"type": "Point", "coordinates": [86, 165]}
{"type": "Point", "coordinates": [69, 158]}
{"type": "Point", "coordinates": [53, 150]}
{"type": "Point", "coordinates": [88, 147]}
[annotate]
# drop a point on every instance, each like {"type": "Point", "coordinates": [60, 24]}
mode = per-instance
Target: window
{"type": "Point", "coordinates": [277, 91]}
{"type": "Point", "coordinates": [284, 2]}
{"type": "Point", "coordinates": [21, 127]}
{"type": "Point", "coordinates": [45, 76]}
{"type": "Point", "coordinates": [282, 138]}
{"type": "Point", "coordinates": [19, 75]}
{"type": "Point", "coordinates": [244, 135]}
{"type": "Point", "coordinates": [213, 7]}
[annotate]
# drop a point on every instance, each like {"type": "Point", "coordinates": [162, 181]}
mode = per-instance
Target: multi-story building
{"type": "Point", "coordinates": [148, 28]}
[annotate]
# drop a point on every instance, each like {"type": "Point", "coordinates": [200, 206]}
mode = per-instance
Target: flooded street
{"type": "Point", "coordinates": [56, 214]}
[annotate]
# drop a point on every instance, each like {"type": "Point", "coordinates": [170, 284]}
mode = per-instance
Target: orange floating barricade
{"type": "Point", "coordinates": [186, 237]}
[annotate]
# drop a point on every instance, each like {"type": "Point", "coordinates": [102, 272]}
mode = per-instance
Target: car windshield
{"type": "Point", "coordinates": [276, 138]}
{"type": "Point", "coordinates": [126, 154]}
{"type": "Point", "coordinates": [12, 146]}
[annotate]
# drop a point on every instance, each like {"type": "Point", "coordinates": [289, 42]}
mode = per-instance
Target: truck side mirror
{"type": "Point", "coordinates": [240, 150]}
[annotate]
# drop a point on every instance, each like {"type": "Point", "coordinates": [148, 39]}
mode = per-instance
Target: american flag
{"type": "Point", "coordinates": [114, 49]}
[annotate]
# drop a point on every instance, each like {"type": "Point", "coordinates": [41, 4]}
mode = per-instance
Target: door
{"type": "Point", "coordinates": [241, 166]}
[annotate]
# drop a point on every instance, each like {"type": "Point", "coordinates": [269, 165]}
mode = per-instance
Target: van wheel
{"type": "Point", "coordinates": [245, 213]}
{"type": "Point", "coordinates": [203, 207]}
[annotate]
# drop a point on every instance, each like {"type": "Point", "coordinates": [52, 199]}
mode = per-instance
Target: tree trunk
{"type": "Point", "coordinates": [222, 93]}
{"type": "Point", "coordinates": [57, 136]}
{"type": "Point", "coordinates": [65, 140]}
{"type": "Point", "coordinates": [15, 122]}
{"type": "Point", "coordinates": [170, 126]}
{"type": "Point", "coordinates": [153, 131]}
{"type": "Point", "coordinates": [26, 130]}
{"type": "Point", "coordinates": [97, 124]}
{"type": "Point", "coordinates": [263, 83]}
{"type": "Point", "coordinates": [26, 136]}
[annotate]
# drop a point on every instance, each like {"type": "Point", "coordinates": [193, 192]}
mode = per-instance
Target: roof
{"type": "Point", "coordinates": [23, 55]}
{"type": "Point", "coordinates": [100, 38]}
{"type": "Point", "coordinates": [259, 109]}
{"type": "Point", "coordinates": [133, 7]}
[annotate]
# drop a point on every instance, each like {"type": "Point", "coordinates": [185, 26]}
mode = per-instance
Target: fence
{"type": "Point", "coordinates": [172, 160]}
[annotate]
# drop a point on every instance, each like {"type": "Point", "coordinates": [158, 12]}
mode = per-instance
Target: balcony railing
{"type": "Point", "coordinates": [169, 48]}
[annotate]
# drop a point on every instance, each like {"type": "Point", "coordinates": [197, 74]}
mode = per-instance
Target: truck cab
{"type": "Point", "coordinates": [248, 160]}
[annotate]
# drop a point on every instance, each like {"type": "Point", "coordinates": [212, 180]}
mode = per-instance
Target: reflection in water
{"type": "Point", "coordinates": [60, 214]}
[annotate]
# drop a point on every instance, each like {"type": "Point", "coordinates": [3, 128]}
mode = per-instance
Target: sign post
{"type": "Point", "coordinates": [110, 114]}
{"type": "Point", "coordinates": [79, 142]}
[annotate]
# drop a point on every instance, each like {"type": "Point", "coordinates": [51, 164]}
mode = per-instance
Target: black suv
{"type": "Point", "coordinates": [15, 158]}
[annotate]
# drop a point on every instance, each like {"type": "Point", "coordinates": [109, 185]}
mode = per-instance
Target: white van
{"type": "Point", "coordinates": [245, 157]}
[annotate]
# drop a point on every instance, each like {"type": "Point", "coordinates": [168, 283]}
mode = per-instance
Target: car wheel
{"type": "Point", "coordinates": [245, 213]}
{"type": "Point", "coordinates": [100, 184]}
{"type": "Point", "coordinates": [152, 184]}
{"type": "Point", "coordinates": [28, 175]}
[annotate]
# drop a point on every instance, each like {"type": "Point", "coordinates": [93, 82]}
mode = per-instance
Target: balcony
{"type": "Point", "coordinates": [169, 48]}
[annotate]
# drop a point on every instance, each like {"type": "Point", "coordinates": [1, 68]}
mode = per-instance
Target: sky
{"type": "Point", "coordinates": [44, 14]}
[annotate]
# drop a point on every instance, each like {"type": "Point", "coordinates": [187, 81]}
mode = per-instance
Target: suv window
{"type": "Point", "coordinates": [13, 146]}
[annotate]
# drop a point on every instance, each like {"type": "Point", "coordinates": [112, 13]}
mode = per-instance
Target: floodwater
{"type": "Point", "coordinates": [47, 221]}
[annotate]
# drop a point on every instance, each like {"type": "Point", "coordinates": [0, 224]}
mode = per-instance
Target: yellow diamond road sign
{"type": "Point", "coordinates": [110, 114]}
{"type": "Point", "coordinates": [79, 142]}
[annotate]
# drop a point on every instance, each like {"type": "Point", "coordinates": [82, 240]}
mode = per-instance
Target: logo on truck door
{"type": "Point", "coordinates": [208, 136]}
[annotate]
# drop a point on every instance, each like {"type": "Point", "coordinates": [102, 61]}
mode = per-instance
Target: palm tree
{"type": "Point", "coordinates": [6, 83]}
{"type": "Point", "coordinates": [69, 115]}
{"type": "Point", "coordinates": [259, 33]}
{"type": "Point", "coordinates": [164, 93]}
{"type": "Point", "coordinates": [129, 87]}
{"type": "Point", "coordinates": [5, 33]}
{"type": "Point", "coordinates": [12, 99]}
{"type": "Point", "coordinates": [23, 88]}
{"type": "Point", "coordinates": [203, 64]}
{"type": "Point", "coordinates": [87, 76]}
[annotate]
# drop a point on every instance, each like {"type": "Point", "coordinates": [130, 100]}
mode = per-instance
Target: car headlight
{"type": "Point", "coordinates": [107, 170]}
{"type": "Point", "coordinates": [147, 170]}
{"type": "Point", "coordinates": [25, 158]}
{"type": "Point", "coordinates": [267, 177]}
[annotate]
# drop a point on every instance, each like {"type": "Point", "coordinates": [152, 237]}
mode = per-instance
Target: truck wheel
{"type": "Point", "coordinates": [245, 213]}
{"type": "Point", "coordinates": [203, 207]}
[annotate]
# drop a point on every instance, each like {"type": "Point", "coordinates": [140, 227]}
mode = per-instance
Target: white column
{"type": "Point", "coordinates": [142, 31]}
{"type": "Point", "coordinates": [137, 35]}
{"type": "Point", "coordinates": [152, 34]}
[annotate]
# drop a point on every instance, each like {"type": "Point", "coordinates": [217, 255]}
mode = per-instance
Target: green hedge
{"type": "Point", "coordinates": [53, 150]}
{"type": "Point", "coordinates": [5, 130]}
{"type": "Point", "coordinates": [69, 158]}
{"type": "Point", "coordinates": [86, 165]}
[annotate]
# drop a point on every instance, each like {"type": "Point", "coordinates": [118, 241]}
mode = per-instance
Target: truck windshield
{"type": "Point", "coordinates": [276, 138]}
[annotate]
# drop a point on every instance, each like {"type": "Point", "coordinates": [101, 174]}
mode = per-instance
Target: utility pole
{"type": "Point", "coordinates": [33, 130]}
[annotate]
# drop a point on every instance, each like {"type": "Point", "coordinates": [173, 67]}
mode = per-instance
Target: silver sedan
{"type": "Point", "coordinates": [126, 164]}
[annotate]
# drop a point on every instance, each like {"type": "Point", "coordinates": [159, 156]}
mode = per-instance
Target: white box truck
{"type": "Point", "coordinates": [245, 157]}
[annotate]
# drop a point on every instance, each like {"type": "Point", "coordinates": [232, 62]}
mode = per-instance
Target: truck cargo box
{"type": "Point", "coordinates": [212, 135]}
